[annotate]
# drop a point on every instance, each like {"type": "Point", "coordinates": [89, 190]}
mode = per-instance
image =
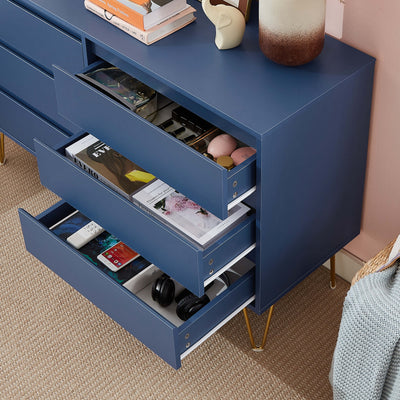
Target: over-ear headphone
{"type": "Point", "coordinates": [188, 303]}
{"type": "Point", "coordinates": [163, 290]}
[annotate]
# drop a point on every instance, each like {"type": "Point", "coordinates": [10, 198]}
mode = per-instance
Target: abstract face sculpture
{"type": "Point", "coordinates": [229, 24]}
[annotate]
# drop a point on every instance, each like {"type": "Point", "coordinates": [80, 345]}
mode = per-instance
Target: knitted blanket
{"type": "Point", "coordinates": [366, 362]}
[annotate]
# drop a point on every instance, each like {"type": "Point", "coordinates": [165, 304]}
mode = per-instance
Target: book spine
{"type": "Point", "coordinates": [122, 11]}
{"type": "Point", "coordinates": [96, 175]}
{"type": "Point", "coordinates": [118, 22]}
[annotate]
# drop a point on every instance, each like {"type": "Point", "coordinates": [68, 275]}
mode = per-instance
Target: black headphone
{"type": "Point", "coordinates": [188, 303]}
{"type": "Point", "coordinates": [163, 290]}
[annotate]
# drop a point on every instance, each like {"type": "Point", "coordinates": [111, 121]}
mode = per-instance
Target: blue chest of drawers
{"type": "Point", "coordinates": [308, 124]}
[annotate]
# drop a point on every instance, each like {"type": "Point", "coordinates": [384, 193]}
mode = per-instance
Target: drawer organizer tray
{"type": "Point", "coordinates": [32, 86]}
{"type": "Point", "coordinates": [23, 117]}
{"type": "Point", "coordinates": [38, 40]}
{"type": "Point", "coordinates": [190, 264]}
{"type": "Point", "coordinates": [172, 342]}
{"type": "Point", "coordinates": [201, 179]}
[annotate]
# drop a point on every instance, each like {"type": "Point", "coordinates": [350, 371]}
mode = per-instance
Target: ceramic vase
{"type": "Point", "coordinates": [291, 32]}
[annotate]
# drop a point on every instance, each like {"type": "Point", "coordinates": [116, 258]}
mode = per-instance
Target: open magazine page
{"type": "Point", "coordinates": [184, 214]}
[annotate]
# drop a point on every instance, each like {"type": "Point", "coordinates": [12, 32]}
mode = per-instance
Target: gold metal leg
{"type": "Point", "coordinates": [262, 345]}
{"type": "Point", "coordinates": [333, 273]}
{"type": "Point", "coordinates": [2, 151]}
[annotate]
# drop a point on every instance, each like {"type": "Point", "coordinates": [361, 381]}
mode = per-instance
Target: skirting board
{"type": "Point", "coordinates": [347, 265]}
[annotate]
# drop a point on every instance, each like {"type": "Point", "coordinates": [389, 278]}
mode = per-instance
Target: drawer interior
{"type": "Point", "coordinates": [175, 253]}
{"type": "Point", "coordinates": [177, 153]}
{"type": "Point", "coordinates": [131, 303]}
{"type": "Point", "coordinates": [142, 288]}
{"type": "Point", "coordinates": [166, 114]}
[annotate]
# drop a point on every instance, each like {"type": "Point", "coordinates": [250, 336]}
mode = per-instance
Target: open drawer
{"type": "Point", "coordinates": [171, 342]}
{"type": "Point", "coordinates": [188, 171]}
{"type": "Point", "coordinates": [187, 262]}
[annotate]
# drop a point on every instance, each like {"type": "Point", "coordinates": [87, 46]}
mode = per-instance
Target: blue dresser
{"type": "Point", "coordinates": [308, 124]}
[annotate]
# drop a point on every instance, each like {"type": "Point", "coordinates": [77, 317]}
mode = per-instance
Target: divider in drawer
{"type": "Point", "coordinates": [32, 86]}
{"type": "Point", "coordinates": [171, 341]}
{"type": "Point", "coordinates": [38, 40]}
{"type": "Point", "coordinates": [182, 167]}
{"type": "Point", "coordinates": [178, 256]}
{"type": "Point", "coordinates": [15, 118]}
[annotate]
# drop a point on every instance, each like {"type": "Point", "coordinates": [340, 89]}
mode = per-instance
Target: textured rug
{"type": "Point", "coordinates": [55, 344]}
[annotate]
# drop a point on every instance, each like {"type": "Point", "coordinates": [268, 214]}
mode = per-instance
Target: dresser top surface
{"type": "Point", "coordinates": [240, 85]}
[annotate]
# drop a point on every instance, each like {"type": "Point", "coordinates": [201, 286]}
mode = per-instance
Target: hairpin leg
{"type": "Point", "coordinates": [262, 345]}
{"type": "Point", "coordinates": [2, 151]}
{"type": "Point", "coordinates": [333, 274]}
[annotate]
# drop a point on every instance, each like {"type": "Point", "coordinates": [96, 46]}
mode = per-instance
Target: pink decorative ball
{"type": "Point", "coordinates": [241, 154]}
{"type": "Point", "coordinates": [222, 145]}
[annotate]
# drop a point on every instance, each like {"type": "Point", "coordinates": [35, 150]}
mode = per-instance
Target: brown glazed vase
{"type": "Point", "coordinates": [291, 32]}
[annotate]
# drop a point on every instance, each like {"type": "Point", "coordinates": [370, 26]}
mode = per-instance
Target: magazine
{"type": "Point", "coordinates": [76, 220]}
{"type": "Point", "coordinates": [151, 194]}
{"type": "Point", "coordinates": [184, 214]}
{"type": "Point", "coordinates": [108, 166]}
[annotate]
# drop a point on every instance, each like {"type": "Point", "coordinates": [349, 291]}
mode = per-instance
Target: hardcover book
{"type": "Point", "coordinates": [184, 215]}
{"type": "Point", "coordinates": [76, 220]}
{"type": "Point", "coordinates": [144, 14]}
{"type": "Point", "coordinates": [108, 166]}
{"type": "Point", "coordinates": [151, 35]}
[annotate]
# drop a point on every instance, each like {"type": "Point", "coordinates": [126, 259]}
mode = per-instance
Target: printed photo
{"type": "Point", "coordinates": [187, 214]}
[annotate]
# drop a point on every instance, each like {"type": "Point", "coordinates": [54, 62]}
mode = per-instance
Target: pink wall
{"type": "Point", "coordinates": [373, 26]}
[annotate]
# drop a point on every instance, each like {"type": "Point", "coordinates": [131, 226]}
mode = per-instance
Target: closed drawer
{"type": "Point", "coordinates": [32, 86]}
{"type": "Point", "coordinates": [169, 341]}
{"type": "Point", "coordinates": [37, 40]}
{"type": "Point", "coordinates": [184, 260]}
{"type": "Point", "coordinates": [15, 118]}
{"type": "Point", "coordinates": [210, 185]}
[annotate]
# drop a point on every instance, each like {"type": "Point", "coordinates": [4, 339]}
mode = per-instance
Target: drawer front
{"type": "Point", "coordinates": [141, 320]}
{"type": "Point", "coordinates": [33, 86]}
{"type": "Point", "coordinates": [177, 256]}
{"type": "Point", "coordinates": [204, 181]}
{"type": "Point", "coordinates": [22, 125]}
{"type": "Point", "coordinates": [37, 40]}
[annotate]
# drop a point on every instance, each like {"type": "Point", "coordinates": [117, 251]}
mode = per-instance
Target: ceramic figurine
{"type": "Point", "coordinates": [229, 24]}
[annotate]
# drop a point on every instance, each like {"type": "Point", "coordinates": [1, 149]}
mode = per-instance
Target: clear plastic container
{"type": "Point", "coordinates": [125, 89]}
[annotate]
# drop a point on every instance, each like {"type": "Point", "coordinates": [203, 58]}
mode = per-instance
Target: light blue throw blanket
{"type": "Point", "coordinates": [366, 362]}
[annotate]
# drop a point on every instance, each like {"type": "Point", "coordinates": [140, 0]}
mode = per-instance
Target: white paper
{"type": "Point", "coordinates": [395, 250]}
{"type": "Point", "coordinates": [184, 214]}
{"type": "Point", "coordinates": [334, 18]}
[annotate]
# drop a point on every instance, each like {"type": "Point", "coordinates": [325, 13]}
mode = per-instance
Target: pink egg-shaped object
{"type": "Point", "coordinates": [241, 154]}
{"type": "Point", "coordinates": [222, 145]}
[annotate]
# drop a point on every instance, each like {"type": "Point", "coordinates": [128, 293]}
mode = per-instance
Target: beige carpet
{"type": "Point", "coordinates": [54, 344]}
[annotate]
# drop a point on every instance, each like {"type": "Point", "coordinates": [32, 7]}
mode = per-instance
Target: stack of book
{"type": "Point", "coordinates": [145, 20]}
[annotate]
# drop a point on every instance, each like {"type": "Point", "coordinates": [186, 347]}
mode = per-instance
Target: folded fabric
{"type": "Point", "coordinates": [366, 361]}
